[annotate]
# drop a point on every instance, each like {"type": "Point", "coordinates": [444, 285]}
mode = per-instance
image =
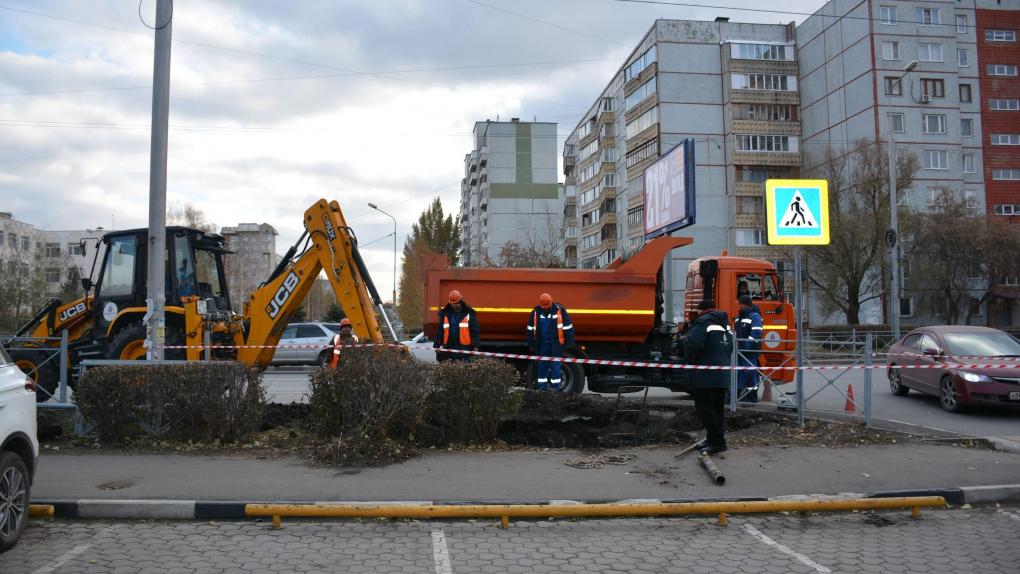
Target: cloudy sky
{"type": "Point", "coordinates": [276, 104]}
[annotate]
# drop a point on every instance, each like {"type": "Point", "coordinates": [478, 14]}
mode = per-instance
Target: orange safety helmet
{"type": "Point", "coordinates": [345, 322]}
{"type": "Point", "coordinates": [455, 296]}
{"type": "Point", "coordinates": [545, 300]}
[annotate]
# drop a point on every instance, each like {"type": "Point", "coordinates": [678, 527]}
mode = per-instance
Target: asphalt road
{"type": "Point", "coordinates": [964, 540]}
{"type": "Point", "coordinates": [290, 384]}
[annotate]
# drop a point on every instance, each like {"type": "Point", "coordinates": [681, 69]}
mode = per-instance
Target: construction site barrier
{"type": "Point", "coordinates": [504, 512]}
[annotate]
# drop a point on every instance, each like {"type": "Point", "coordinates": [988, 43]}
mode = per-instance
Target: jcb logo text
{"type": "Point", "coordinates": [72, 312]}
{"type": "Point", "coordinates": [282, 295]}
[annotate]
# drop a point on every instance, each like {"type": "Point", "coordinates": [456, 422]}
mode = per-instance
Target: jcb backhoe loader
{"type": "Point", "coordinates": [108, 322]}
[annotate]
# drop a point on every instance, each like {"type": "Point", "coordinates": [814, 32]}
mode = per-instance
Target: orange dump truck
{"type": "Point", "coordinates": [617, 312]}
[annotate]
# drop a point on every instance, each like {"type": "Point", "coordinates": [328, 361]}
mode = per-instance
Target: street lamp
{"type": "Point", "coordinates": [376, 207]}
{"type": "Point", "coordinates": [892, 235]}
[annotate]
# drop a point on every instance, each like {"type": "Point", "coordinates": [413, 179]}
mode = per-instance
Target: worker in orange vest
{"type": "Point", "coordinates": [458, 329]}
{"type": "Point", "coordinates": [549, 332]}
{"type": "Point", "coordinates": [345, 338]}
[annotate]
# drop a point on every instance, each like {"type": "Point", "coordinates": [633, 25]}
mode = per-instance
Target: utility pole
{"type": "Point", "coordinates": [892, 235]}
{"type": "Point", "coordinates": [156, 247]}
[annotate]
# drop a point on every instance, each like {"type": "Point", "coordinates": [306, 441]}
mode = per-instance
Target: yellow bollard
{"type": "Point", "coordinates": [915, 512]}
{"type": "Point", "coordinates": [723, 521]}
{"type": "Point", "coordinates": [505, 521]}
{"type": "Point", "coordinates": [41, 510]}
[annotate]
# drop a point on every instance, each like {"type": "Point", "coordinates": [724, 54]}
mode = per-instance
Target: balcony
{"type": "Point", "coordinates": [764, 67]}
{"type": "Point", "coordinates": [749, 188]}
{"type": "Point", "coordinates": [766, 127]}
{"type": "Point", "coordinates": [767, 158]}
{"type": "Point", "coordinates": [764, 97]}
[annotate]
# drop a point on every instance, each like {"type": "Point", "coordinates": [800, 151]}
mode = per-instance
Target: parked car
{"type": "Point", "coordinates": [19, 449]}
{"type": "Point", "coordinates": [314, 340]}
{"type": "Point", "coordinates": [939, 348]}
{"type": "Point", "coordinates": [421, 348]}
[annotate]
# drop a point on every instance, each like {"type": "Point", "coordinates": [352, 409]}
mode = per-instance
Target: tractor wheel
{"type": "Point", "coordinates": [45, 374]}
{"type": "Point", "coordinates": [128, 344]}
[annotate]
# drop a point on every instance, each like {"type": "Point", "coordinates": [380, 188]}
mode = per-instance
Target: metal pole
{"type": "Point", "coordinates": [894, 307]}
{"type": "Point", "coordinates": [800, 337]}
{"type": "Point", "coordinates": [868, 342]}
{"type": "Point", "coordinates": [376, 207]}
{"type": "Point", "coordinates": [63, 367]}
{"type": "Point", "coordinates": [156, 276]}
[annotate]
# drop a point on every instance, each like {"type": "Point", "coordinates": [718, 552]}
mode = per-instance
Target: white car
{"type": "Point", "coordinates": [306, 344]}
{"type": "Point", "coordinates": [19, 449]}
{"type": "Point", "coordinates": [421, 348]}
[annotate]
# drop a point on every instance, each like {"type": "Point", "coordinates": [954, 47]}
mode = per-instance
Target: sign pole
{"type": "Point", "coordinates": [800, 334]}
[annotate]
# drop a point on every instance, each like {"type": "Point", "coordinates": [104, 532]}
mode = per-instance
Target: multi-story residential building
{"type": "Point", "coordinates": [998, 51]}
{"type": "Point", "coordinates": [510, 191]}
{"type": "Point", "coordinates": [254, 258]}
{"type": "Point", "coordinates": [730, 87]}
{"type": "Point", "coordinates": [853, 57]}
{"type": "Point", "coordinates": [570, 202]}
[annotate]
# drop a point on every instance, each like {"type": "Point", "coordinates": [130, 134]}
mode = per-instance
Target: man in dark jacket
{"type": "Point", "coordinates": [709, 342]}
{"type": "Point", "coordinates": [748, 329]}
{"type": "Point", "coordinates": [549, 332]}
{"type": "Point", "coordinates": [458, 329]}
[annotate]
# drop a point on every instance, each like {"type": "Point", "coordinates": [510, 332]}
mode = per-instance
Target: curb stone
{"type": "Point", "coordinates": [234, 510]}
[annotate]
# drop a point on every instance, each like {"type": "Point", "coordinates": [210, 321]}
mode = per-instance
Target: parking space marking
{"type": "Point", "coordinates": [67, 556]}
{"type": "Point", "coordinates": [441, 553]}
{"type": "Point", "coordinates": [785, 550]}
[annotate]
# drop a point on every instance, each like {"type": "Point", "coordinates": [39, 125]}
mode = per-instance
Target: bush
{"type": "Point", "coordinates": [198, 402]}
{"type": "Point", "coordinates": [469, 400]}
{"type": "Point", "coordinates": [370, 407]}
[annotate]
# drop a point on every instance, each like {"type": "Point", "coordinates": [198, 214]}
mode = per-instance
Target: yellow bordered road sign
{"type": "Point", "coordinates": [797, 211]}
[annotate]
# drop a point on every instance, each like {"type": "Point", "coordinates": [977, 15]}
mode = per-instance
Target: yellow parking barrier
{"type": "Point", "coordinates": [504, 512]}
{"type": "Point", "coordinates": [41, 510]}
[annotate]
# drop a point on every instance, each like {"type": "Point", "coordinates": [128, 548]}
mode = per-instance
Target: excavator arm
{"type": "Point", "coordinates": [330, 246]}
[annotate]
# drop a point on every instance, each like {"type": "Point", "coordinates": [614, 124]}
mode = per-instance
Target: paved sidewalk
{"type": "Point", "coordinates": [507, 476]}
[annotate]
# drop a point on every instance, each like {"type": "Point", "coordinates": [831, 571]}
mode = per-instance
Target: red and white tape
{"type": "Point", "coordinates": [636, 364]}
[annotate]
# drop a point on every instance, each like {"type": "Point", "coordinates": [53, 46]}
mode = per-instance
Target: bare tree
{"type": "Point", "coordinates": [188, 215]}
{"type": "Point", "coordinates": [23, 287]}
{"type": "Point", "coordinates": [536, 246]}
{"type": "Point", "coordinates": [848, 272]}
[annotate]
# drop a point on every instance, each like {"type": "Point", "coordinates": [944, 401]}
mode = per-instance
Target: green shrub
{"type": "Point", "coordinates": [202, 401]}
{"type": "Point", "coordinates": [370, 407]}
{"type": "Point", "coordinates": [469, 400]}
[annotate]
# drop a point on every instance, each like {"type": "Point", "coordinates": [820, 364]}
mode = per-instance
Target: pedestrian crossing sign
{"type": "Point", "coordinates": [797, 211]}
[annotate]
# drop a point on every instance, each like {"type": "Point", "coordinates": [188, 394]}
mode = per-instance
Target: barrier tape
{"type": "Point", "coordinates": [613, 363]}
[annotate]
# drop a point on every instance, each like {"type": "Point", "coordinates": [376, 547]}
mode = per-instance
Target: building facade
{"type": "Point", "coordinates": [510, 190]}
{"type": "Point", "coordinates": [254, 258]}
{"type": "Point", "coordinates": [730, 87]}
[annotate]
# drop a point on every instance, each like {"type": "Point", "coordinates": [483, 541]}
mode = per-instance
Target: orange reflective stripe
{"type": "Point", "coordinates": [559, 325]}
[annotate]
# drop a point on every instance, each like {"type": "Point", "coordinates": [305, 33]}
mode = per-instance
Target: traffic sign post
{"type": "Point", "coordinates": [797, 213]}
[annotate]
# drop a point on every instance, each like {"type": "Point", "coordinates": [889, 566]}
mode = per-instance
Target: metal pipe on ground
{"type": "Point", "coordinates": [41, 510]}
{"type": "Point", "coordinates": [506, 511]}
{"type": "Point", "coordinates": [712, 469]}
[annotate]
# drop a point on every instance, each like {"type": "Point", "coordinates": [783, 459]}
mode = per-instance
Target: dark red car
{"type": "Point", "coordinates": [940, 348]}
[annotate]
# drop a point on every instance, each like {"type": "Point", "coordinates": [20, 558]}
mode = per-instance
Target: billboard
{"type": "Point", "coordinates": [669, 191]}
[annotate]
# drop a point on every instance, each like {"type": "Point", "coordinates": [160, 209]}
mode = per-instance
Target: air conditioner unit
{"type": "Point", "coordinates": [925, 99]}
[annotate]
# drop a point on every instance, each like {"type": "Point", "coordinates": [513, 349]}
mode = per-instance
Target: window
{"type": "Point", "coordinates": [965, 95]}
{"type": "Point", "coordinates": [888, 15]}
{"type": "Point", "coordinates": [1005, 139]}
{"type": "Point", "coordinates": [906, 307]}
{"type": "Point", "coordinates": [962, 58]}
{"type": "Point", "coordinates": [52, 250]}
{"type": "Point", "coordinates": [967, 127]}
{"type": "Point", "coordinates": [763, 143]}
{"type": "Point", "coordinates": [890, 50]}
{"type": "Point", "coordinates": [609, 154]}
{"type": "Point", "coordinates": [640, 64]}
{"type": "Point", "coordinates": [933, 87]}
{"type": "Point", "coordinates": [1, 238]}
{"type": "Point", "coordinates": [14, 241]}
{"type": "Point", "coordinates": [934, 123]}
{"type": "Point", "coordinates": [755, 174]}
{"type": "Point", "coordinates": [635, 216]}
{"type": "Point", "coordinates": [25, 242]}
{"type": "Point", "coordinates": [1004, 105]}
{"type": "Point", "coordinates": [644, 151]}
{"type": "Point", "coordinates": [936, 195]}
{"type": "Point", "coordinates": [608, 104]}
{"type": "Point", "coordinates": [750, 237]}
{"type": "Point", "coordinates": [929, 16]}
{"type": "Point", "coordinates": [1005, 209]}
{"type": "Point", "coordinates": [1001, 69]}
{"type": "Point", "coordinates": [897, 123]}
{"type": "Point", "coordinates": [1006, 174]}
{"type": "Point", "coordinates": [52, 275]}
{"type": "Point", "coordinates": [961, 23]}
{"type": "Point", "coordinates": [970, 200]}
{"type": "Point", "coordinates": [588, 150]}
{"type": "Point", "coordinates": [761, 52]}
{"type": "Point", "coordinates": [119, 270]}
{"type": "Point", "coordinates": [769, 112]}
{"type": "Point", "coordinates": [929, 52]}
{"type": "Point", "coordinates": [750, 205]}
{"type": "Point", "coordinates": [935, 159]}
{"type": "Point", "coordinates": [74, 249]}
{"type": "Point", "coordinates": [893, 86]}
{"type": "Point", "coordinates": [637, 96]}
{"type": "Point", "coordinates": [968, 163]}
{"type": "Point", "coordinates": [643, 122]}
{"type": "Point", "coordinates": [609, 180]}
{"type": "Point", "coordinates": [1000, 35]}
{"type": "Point", "coordinates": [764, 82]}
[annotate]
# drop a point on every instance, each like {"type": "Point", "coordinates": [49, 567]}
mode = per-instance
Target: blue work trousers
{"type": "Point", "coordinates": [747, 379]}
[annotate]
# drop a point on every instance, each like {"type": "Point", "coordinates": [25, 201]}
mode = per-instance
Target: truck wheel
{"type": "Point", "coordinates": [573, 379]}
{"type": "Point", "coordinates": [44, 374]}
{"type": "Point", "coordinates": [14, 492]}
{"type": "Point", "coordinates": [128, 344]}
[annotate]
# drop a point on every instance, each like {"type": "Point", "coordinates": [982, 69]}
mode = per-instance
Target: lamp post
{"type": "Point", "coordinates": [376, 207]}
{"type": "Point", "coordinates": [892, 236]}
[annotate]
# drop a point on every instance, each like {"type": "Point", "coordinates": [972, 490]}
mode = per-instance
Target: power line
{"type": "Point", "coordinates": [551, 24]}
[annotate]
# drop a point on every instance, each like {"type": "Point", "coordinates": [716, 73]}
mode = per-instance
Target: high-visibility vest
{"type": "Point", "coordinates": [465, 330]}
{"type": "Point", "coordinates": [559, 325]}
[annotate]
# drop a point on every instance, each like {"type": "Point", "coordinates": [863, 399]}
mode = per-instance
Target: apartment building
{"type": "Point", "coordinates": [27, 251]}
{"type": "Point", "coordinates": [730, 87]}
{"type": "Point", "coordinates": [509, 191]}
{"type": "Point", "coordinates": [254, 258]}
